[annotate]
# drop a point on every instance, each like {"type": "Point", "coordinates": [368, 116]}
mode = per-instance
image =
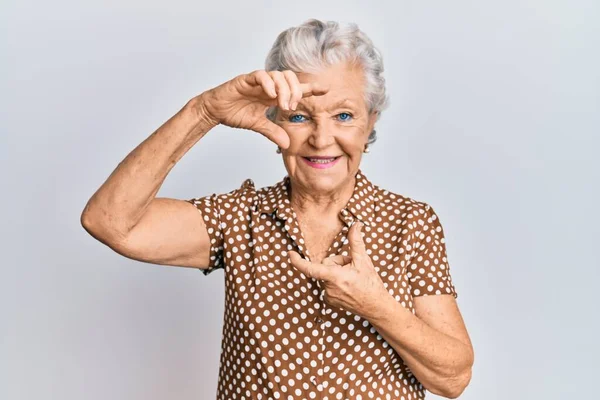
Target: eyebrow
{"type": "Point", "coordinates": [344, 102]}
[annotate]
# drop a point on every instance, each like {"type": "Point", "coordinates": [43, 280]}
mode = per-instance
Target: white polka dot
{"type": "Point", "coordinates": [279, 331]}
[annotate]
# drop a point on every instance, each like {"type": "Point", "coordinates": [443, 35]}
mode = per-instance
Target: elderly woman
{"type": "Point", "coordinates": [335, 288]}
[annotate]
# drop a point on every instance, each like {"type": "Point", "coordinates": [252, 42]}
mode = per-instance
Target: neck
{"type": "Point", "coordinates": [308, 201]}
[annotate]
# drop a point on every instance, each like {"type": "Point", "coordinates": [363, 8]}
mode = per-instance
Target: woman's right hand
{"type": "Point", "coordinates": [243, 101]}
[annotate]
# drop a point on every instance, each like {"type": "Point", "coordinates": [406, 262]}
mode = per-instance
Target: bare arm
{"type": "Point", "coordinates": [124, 213]}
{"type": "Point", "coordinates": [433, 342]}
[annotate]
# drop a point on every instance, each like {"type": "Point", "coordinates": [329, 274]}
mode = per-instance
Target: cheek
{"type": "Point", "coordinates": [350, 138]}
{"type": "Point", "coordinates": [296, 129]}
{"type": "Point", "coordinates": [296, 142]}
{"type": "Point", "coordinates": [352, 144]}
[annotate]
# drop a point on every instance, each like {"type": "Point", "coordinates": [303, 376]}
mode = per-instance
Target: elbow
{"type": "Point", "coordinates": [85, 221]}
{"type": "Point", "coordinates": [91, 227]}
{"type": "Point", "coordinates": [454, 385]}
{"type": "Point", "coordinates": [89, 222]}
{"type": "Point", "coordinates": [458, 385]}
{"type": "Point", "coordinates": [100, 231]}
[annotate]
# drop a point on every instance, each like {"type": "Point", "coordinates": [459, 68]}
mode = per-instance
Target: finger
{"type": "Point", "coordinates": [273, 132]}
{"type": "Point", "coordinates": [314, 89]}
{"type": "Point", "coordinates": [295, 90]}
{"type": "Point", "coordinates": [340, 260]}
{"type": "Point", "coordinates": [309, 269]}
{"type": "Point", "coordinates": [357, 246]}
{"type": "Point", "coordinates": [282, 88]}
{"type": "Point", "coordinates": [263, 80]}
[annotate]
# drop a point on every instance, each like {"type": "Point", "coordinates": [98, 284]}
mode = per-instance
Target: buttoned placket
{"type": "Point", "coordinates": [290, 225]}
{"type": "Point", "coordinates": [335, 249]}
{"type": "Point", "coordinates": [292, 228]}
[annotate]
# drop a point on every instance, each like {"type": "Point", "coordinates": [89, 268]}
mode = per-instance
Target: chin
{"type": "Point", "coordinates": [324, 179]}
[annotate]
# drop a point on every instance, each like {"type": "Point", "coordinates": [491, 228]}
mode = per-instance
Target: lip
{"type": "Point", "coordinates": [321, 157]}
{"type": "Point", "coordinates": [321, 166]}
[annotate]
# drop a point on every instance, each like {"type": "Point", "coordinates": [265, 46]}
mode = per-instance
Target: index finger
{"type": "Point", "coordinates": [311, 270]}
{"type": "Point", "coordinates": [313, 89]}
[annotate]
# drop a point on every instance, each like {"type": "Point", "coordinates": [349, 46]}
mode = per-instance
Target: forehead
{"type": "Point", "coordinates": [345, 81]}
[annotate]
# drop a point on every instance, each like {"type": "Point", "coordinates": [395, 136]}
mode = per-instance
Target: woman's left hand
{"type": "Point", "coordinates": [350, 282]}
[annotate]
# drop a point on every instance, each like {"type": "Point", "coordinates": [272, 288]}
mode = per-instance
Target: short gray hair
{"type": "Point", "coordinates": [317, 44]}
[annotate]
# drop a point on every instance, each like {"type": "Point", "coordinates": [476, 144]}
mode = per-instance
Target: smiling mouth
{"type": "Point", "coordinates": [321, 160]}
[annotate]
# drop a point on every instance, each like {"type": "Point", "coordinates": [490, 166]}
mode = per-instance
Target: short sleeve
{"type": "Point", "coordinates": [429, 270]}
{"type": "Point", "coordinates": [217, 211]}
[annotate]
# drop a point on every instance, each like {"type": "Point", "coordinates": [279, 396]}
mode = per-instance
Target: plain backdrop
{"type": "Point", "coordinates": [494, 120]}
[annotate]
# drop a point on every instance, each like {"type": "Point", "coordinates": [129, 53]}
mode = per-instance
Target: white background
{"type": "Point", "coordinates": [494, 121]}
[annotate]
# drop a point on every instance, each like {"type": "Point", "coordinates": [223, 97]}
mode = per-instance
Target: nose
{"type": "Point", "coordinates": [322, 134]}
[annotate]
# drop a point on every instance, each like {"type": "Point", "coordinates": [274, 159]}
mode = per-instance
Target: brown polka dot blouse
{"type": "Point", "coordinates": [280, 339]}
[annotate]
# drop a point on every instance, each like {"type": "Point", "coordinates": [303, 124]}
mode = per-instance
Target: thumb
{"type": "Point", "coordinates": [357, 246]}
{"type": "Point", "coordinates": [304, 266]}
{"type": "Point", "coordinates": [272, 131]}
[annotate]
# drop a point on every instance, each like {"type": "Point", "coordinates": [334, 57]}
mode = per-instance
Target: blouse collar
{"type": "Point", "coordinates": [361, 205]}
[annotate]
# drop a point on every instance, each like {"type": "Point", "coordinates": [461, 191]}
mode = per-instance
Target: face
{"type": "Point", "coordinates": [335, 125]}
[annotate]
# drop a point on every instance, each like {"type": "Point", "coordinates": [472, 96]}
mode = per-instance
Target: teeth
{"type": "Point", "coordinates": [321, 161]}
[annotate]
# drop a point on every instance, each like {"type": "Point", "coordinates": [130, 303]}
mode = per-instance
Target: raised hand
{"type": "Point", "coordinates": [243, 101]}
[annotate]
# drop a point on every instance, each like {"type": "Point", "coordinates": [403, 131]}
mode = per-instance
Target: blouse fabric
{"type": "Point", "coordinates": [280, 339]}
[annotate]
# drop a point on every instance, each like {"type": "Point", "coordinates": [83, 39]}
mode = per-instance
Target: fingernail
{"type": "Point", "coordinates": [293, 105]}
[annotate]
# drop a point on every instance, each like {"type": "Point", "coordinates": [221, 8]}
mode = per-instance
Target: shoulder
{"type": "Point", "coordinates": [416, 220]}
{"type": "Point", "coordinates": [411, 216]}
{"type": "Point", "coordinates": [245, 190]}
{"type": "Point", "coordinates": [406, 207]}
{"type": "Point", "coordinates": [247, 197]}
{"type": "Point", "coordinates": [243, 195]}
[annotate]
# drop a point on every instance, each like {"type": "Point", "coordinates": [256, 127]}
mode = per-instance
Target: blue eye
{"type": "Point", "coordinates": [292, 118]}
{"type": "Point", "coordinates": [298, 117]}
{"type": "Point", "coordinates": [346, 119]}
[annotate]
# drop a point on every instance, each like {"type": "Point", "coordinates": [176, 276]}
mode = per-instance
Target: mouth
{"type": "Point", "coordinates": [321, 162]}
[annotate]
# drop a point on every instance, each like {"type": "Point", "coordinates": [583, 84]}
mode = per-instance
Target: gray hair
{"type": "Point", "coordinates": [317, 44]}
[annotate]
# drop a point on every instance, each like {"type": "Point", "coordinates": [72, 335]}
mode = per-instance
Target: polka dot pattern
{"type": "Point", "coordinates": [280, 339]}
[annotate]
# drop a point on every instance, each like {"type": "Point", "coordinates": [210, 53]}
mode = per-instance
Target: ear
{"type": "Point", "coordinates": [372, 120]}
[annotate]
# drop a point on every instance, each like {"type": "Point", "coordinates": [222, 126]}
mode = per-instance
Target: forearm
{"type": "Point", "coordinates": [440, 362]}
{"type": "Point", "coordinates": [120, 202]}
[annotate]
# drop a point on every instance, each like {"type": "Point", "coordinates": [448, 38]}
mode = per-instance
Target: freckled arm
{"type": "Point", "coordinates": [442, 363]}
